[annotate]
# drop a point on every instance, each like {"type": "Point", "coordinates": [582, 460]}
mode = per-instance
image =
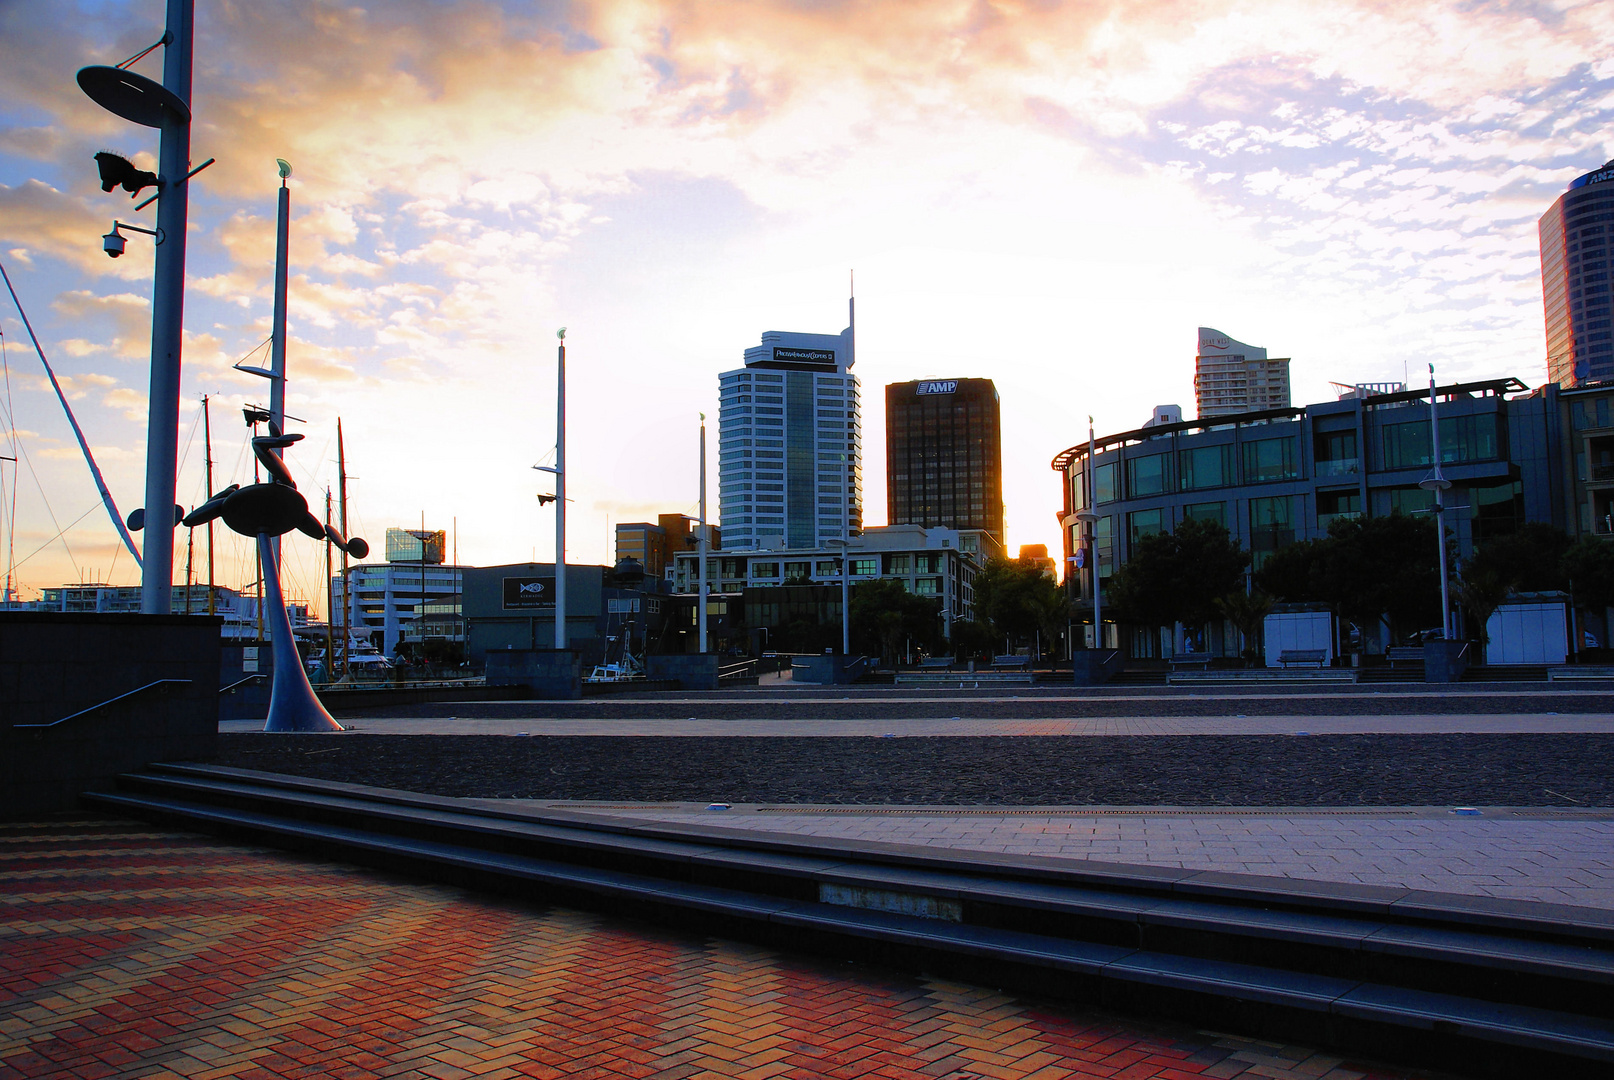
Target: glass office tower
{"type": "Point", "coordinates": [1575, 282]}
{"type": "Point", "coordinates": [944, 455]}
{"type": "Point", "coordinates": [790, 443]}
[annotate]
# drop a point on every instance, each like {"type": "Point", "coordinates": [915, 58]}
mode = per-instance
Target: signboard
{"type": "Point", "coordinates": [822, 357]}
{"type": "Point", "coordinates": [946, 387]}
{"type": "Point", "coordinates": [529, 593]}
{"type": "Point", "coordinates": [1598, 177]}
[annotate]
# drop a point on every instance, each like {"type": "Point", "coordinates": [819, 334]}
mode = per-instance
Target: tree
{"type": "Point", "coordinates": [1177, 577]}
{"type": "Point", "coordinates": [1588, 566]}
{"type": "Point", "coordinates": [885, 615]}
{"type": "Point", "coordinates": [1246, 611]}
{"type": "Point", "coordinates": [1017, 600]}
{"type": "Point", "coordinates": [1384, 566]}
{"type": "Point", "coordinates": [1480, 593]}
{"type": "Point", "coordinates": [972, 638]}
{"type": "Point", "coordinates": [1529, 559]}
{"type": "Point", "coordinates": [1297, 573]}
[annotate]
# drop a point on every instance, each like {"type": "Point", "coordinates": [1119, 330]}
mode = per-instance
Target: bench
{"type": "Point", "coordinates": [1011, 663]}
{"type": "Point", "coordinates": [1180, 661]}
{"type": "Point", "coordinates": [1303, 657]}
{"type": "Point", "coordinates": [1404, 654]}
{"type": "Point", "coordinates": [936, 663]}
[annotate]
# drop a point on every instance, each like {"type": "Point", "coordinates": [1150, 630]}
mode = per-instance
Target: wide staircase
{"type": "Point", "coordinates": [1486, 986]}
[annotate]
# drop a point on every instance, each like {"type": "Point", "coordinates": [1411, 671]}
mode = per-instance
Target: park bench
{"type": "Point", "coordinates": [936, 663]}
{"type": "Point", "coordinates": [1011, 663]}
{"type": "Point", "coordinates": [1183, 661]}
{"type": "Point", "coordinates": [1303, 657]}
{"type": "Point", "coordinates": [1404, 654]}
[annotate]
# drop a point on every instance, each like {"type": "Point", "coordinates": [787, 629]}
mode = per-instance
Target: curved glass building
{"type": "Point", "coordinates": [1575, 281]}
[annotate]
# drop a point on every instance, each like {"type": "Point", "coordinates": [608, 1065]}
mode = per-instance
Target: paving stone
{"type": "Point", "coordinates": [316, 970]}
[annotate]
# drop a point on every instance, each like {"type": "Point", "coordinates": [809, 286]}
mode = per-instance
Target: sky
{"type": "Point", "coordinates": [1051, 195]}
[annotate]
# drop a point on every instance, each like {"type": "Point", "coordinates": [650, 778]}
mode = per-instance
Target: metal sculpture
{"type": "Point", "coordinates": [267, 511]}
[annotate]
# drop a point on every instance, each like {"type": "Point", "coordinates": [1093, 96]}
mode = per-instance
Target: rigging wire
{"type": "Point", "coordinates": [11, 441]}
{"type": "Point", "coordinates": [147, 51]}
{"type": "Point", "coordinates": [61, 535]}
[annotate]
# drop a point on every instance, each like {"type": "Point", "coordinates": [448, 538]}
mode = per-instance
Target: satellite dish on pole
{"type": "Point", "coordinates": [131, 96]}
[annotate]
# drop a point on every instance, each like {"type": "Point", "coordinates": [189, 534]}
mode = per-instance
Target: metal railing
{"type": "Point", "coordinates": [162, 684]}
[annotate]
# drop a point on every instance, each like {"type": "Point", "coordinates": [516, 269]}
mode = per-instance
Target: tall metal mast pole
{"type": "Point", "coordinates": [846, 517]}
{"type": "Point", "coordinates": [207, 444]}
{"type": "Point", "coordinates": [277, 335]}
{"type": "Point", "coordinates": [330, 599]}
{"type": "Point", "coordinates": [341, 489]}
{"type": "Point", "coordinates": [167, 322]}
{"type": "Point", "coordinates": [560, 495]}
{"type": "Point", "coordinates": [1092, 538]}
{"type": "Point", "coordinates": [1438, 483]}
{"type": "Point", "coordinates": [700, 546]}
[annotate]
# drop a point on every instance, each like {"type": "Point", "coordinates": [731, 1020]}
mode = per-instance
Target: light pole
{"type": "Point", "coordinates": [165, 106]}
{"type": "Point", "coordinates": [1089, 519]}
{"type": "Point", "coordinates": [1437, 482]}
{"type": "Point", "coordinates": [700, 547]}
{"type": "Point", "coordinates": [846, 592]}
{"type": "Point", "coordinates": [560, 492]}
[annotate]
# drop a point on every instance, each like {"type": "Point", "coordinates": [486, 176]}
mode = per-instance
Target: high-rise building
{"type": "Point", "coordinates": [790, 443]}
{"type": "Point", "coordinates": [1575, 282]}
{"type": "Point", "coordinates": [944, 455]}
{"type": "Point", "coordinates": [655, 545]}
{"type": "Point", "coordinates": [1232, 377]}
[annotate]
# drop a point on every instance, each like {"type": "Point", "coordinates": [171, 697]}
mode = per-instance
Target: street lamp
{"type": "Point", "coordinates": [1437, 482]}
{"type": "Point", "coordinates": [165, 106]}
{"type": "Point", "coordinates": [846, 591]}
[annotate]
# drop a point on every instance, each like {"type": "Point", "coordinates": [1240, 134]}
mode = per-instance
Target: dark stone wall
{"type": "Point", "coordinates": [54, 665]}
{"type": "Point", "coordinates": [550, 674]}
{"type": "Point", "coordinates": [694, 671]}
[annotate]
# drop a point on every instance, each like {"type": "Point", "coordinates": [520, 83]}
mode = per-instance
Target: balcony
{"type": "Point", "coordinates": [1338, 467]}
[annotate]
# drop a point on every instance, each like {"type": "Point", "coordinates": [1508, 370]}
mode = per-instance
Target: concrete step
{"type": "Point", "coordinates": [1484, 983]}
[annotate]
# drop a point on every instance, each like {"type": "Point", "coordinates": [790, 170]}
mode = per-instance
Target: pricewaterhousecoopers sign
{"type": "Point", "coordinates": [946, 386]}
{"type": "Point", "coordinates": [805, 356]}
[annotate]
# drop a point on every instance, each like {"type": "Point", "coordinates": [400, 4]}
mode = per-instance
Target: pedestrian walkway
{"type": "Point", "coordinates": [672, 725]}
{"type": "Point", "coordinates": [1523, 854]}
{"type": "Point", "coordinates": [134, 951]}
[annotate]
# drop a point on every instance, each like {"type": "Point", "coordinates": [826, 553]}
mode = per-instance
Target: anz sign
{"type": "Point", "coordinates": [946, 387]}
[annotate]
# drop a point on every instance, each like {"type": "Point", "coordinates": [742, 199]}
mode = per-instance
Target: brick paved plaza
{"type": "Point", "coordinates": [135, 952]}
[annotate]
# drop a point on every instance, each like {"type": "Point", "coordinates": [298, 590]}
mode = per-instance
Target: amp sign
{"type": "Point", "coordinates": [938, 387]}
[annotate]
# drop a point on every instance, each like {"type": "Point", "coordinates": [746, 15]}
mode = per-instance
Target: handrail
{"type": "Point", "coordinates": [242, 682]}
{"type": "Point", "coordinates": [110, 701]}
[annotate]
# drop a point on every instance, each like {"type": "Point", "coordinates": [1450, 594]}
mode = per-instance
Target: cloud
{"type": "Point", "coordinates": [128, 316]}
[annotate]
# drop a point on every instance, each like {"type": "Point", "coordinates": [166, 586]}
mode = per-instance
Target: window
{"type": "Point", "coordinates": [1336, 453]}
{"type": "Point", "coordinates": [765, 569]}
{"type": "Point", "coordinates": [1104, 483]}
{"type": "Point", "coordinates": [1206, 511]}
{"type": "Point", "coordinates": [927, 586]}
{"type": "Point", "coordinates": [1334, 505]}
{"type": "Point", "coordinates": [828, 568]}
{"type": "Point", "coordinates": [1146, 475]}
{"type": "Point", "coordinates": [1411, 501]}
{"type": "Point", "coordinates": [1497, 510]}
{"type": "Point", "coordinates": [1206, 466]}
{"type": "Point", "coordinates": [899, 564]}
{"type": "Point", "coordinates": [866, 567]}
{"type": "Point", "coordinates": [1462, 438]}
{"type": "Point", "coordinates": [1269, 459]}
{"type": "Point", "coordinates": [1146, 523]}
{"type": "Point", "coordinates": [797, 571]}
{"type": "Point", "coordinates": [1272, 526]}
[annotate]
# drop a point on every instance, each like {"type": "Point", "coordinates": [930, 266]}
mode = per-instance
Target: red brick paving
{"type": "Point", "coordinates": [131, 952]}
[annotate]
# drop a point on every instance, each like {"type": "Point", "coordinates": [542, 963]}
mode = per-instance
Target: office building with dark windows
{"type": "Point", "coordinates": [1575, 280]}
{"type": "Point", "coordinates": [1232, 377]}
{"type": "Point", "coordinates": [790, 443]}
{"type": "Point", "coordinates": [1277, 476]}
{"type": "Point", "coordinates": [944, 455]}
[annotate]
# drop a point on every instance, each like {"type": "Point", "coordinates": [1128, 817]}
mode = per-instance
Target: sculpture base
{"type": "Point", "coordinates": [293, 705]}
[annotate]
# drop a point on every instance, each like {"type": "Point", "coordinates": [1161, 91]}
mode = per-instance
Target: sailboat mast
{"type": "Point", "coordinates": [341, 483]}
{"type": "Point", "coordinates": [330, 590]}
{"type": "Point", "coordinates": [207, 443]}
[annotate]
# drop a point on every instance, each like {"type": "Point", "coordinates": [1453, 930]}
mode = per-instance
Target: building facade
{"type": "Point", "coordinates": [790, 443]}
{"type": "Point", "coordinates": [1575, 280]}
{"type": "Point", "coordinates": [239, 611]}
{"type": "Point", "coordinates": [944, 455]}
{"type": "Point", "coordinates": [1277, 476]}
{"type": "Point", "coordinates": [1232, 377]}
{"type": "Point", "coordinates": [655, 545]}
{"type": "Point", "coordinates": [928, 562]}
{"type": "Point", "coordinates": [385, 597]}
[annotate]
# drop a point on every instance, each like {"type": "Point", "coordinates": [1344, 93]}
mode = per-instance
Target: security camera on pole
{"type": "Point", "coordinates": [165, 106]}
